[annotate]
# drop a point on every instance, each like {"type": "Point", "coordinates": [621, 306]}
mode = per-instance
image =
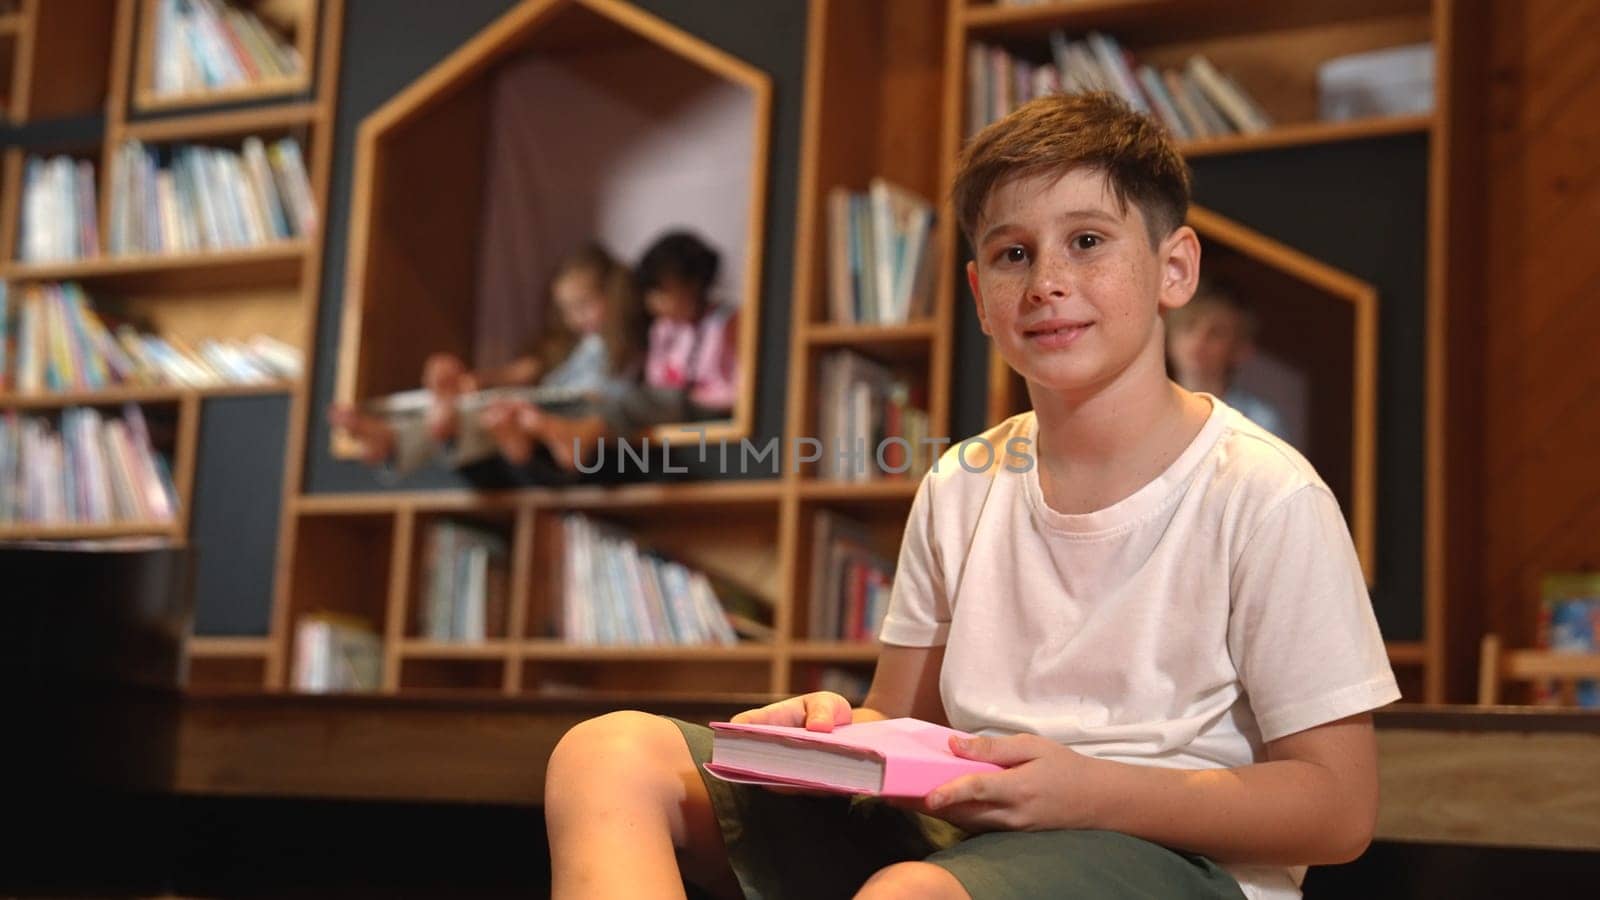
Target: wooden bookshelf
{"type": "Point", "coordinates": [75, 57]}
{"type": "Point", "coordinates": [1273, 50]}
{"type": "Point", "coordinates": [53, 58]}
{"type": "Point", "coordinates": [298, 20]}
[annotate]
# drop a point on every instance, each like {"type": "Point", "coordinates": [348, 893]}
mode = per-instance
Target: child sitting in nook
{"type": "Point", "coordinates": [690, 369]}
{"type": "Point", "coordinates": [1208, 339]}
{"type": "Point", "coordinates": [590, 347]}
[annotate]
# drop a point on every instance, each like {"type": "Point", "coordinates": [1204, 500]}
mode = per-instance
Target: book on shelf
{"type": "Point", "coordinates": [880, 255]}
{"type": "Point", "coordinates": [870, 421]}
{"type": "Point", "coordinates": [62, 343]}
{"type": "Point", "coordinates": [59, 219]}
{"type": "Point", "coordinates": [204, 45]}
{"type": "Point", "coordinates": [1391, 81]}
{"type": "Point", "coordinates": [850, 684]}
{"type": "Point", "coordinates": [889, 758]}
{"type": "Point", "coordinates": [465, 583]}
{"type": "Point", "coordinates": [613, 592]}
{"type": "Point", "coordinates": [334, 652]}
{"type": "Point", "coordinates": [190, 198]}
{"type": "Point", "coordinates": [850, 582]}
{"type": "Point", "coordinates": [92, 469]}
{"type": "Point", "coordinates": [1194, 102]}
{"type": "Point", "coordinates": [1569, 622]}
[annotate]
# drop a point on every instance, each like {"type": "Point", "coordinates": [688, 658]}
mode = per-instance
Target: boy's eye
{"type": "Point", "coordinates": [1014, 254]}
{"type": "Point", "coordinates": [1086, 241]}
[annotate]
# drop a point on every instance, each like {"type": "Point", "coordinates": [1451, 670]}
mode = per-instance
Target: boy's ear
{"type": "Point", "coordinates": [1180, 267]}
{"type": "Point", "coordinates": [977, 295]}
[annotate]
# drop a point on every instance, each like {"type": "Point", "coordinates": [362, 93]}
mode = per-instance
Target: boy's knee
{"type": "Point", "coordinates": [620, 751]}
{"type": "Point", "coordinates": [912, 881]}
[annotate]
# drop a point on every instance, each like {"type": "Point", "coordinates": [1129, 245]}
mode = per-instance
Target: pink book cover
{"type": "Point", "coordinates": [915, 755]}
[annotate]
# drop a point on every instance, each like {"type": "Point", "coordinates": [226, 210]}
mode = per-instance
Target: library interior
{"type": "Point", "coordinates": [404, 405]}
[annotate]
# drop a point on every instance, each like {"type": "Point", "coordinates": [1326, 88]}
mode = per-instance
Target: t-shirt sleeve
{"type": "Point", "coordinates": [1302, 633]}
{"type": "Point", "coordinates": [919, 609]}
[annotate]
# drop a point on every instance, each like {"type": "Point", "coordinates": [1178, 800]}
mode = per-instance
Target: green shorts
{"type": "Point", "coordinates": [821, 847]}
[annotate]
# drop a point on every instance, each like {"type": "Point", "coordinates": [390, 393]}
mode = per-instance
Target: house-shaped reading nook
{"type": "Point", "coordinates": [562, 122]}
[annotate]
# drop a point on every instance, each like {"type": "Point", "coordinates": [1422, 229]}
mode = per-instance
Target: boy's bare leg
{"type": "Point", "coordinates": [627, 813]}
{"type": "Point", "coordinates": [371, 432]}
{"type": "Point", "coordinates": [924, 881]}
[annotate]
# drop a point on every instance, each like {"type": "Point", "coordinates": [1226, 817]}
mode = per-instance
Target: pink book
{"type": "Point", "coordinates": [889, 758]}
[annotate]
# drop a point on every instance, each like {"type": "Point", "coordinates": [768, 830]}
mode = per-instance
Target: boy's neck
{"type": "Point", "coordinates": [1101, 446]}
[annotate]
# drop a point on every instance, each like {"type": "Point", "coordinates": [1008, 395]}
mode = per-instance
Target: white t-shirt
{"type": "Point", "coordinates": [1218, 607]}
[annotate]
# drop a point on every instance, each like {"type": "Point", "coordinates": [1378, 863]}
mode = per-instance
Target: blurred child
{"type": "Point", "coordinates": [691, 369]}
{"type": "Point", "coordinates": [1207, 341]}
{"type": "Point", "coordinates": [591, 345]}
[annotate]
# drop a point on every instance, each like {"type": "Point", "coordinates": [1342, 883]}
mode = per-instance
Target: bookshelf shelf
{"type": "Point", "coordinates": [893, 343]}
{"type": "Point", "coordinates": [229, 647]}
{"type": "Point", "coordinates": [1173, 19]}
{"type": "Point", "coordinates": [1406, 653]}
{"type": "Point", "coordinates": [274, 265]}
{"type": "Point", "coordinates": [549, 650]}
{"type": "Point", "coordinates": [834, 651]}
{"type": "Point", "coordinates": [1308, 134]}
{"type": "Point", "coordinates": [885, 490]}
{"type": "Point", "coordinates": [263, 90]}
{"type": "Point", "coordinates": [647, 497]}
{"type": "Point", "coordinates": [478, 650]}
{"type": "Point", "coordinates": [87, 532]}
{"type": "Point", "coordinates": [266, 120]}
{"type": "Point", "coordinates": [119, 395]}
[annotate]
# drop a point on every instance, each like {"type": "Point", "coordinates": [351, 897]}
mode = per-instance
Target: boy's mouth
{"type": "Point", "coordinates": [1053, 334]}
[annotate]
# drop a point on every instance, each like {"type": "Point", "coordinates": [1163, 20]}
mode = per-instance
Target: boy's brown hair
{"type": "Point", "coordinates": [1054, 135]}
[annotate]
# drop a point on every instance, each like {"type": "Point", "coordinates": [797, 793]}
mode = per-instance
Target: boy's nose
{"type": "Point", "coordinates": [1048, 281]}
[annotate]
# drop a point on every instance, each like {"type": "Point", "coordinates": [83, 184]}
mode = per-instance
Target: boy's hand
{"type": "Point", "coordinates": [818, 711]}
{"type": "Point", "coordinates": [1044, 786]}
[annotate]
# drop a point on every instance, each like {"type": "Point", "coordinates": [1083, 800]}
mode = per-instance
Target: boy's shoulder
{"type": "Point", "coordinates": [1252, 461]}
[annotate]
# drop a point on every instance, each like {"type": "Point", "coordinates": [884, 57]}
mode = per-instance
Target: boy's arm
{"type": "Point", "coordinates": [1313, 802]}
{"type": "Point", "coordinates": [906, 683]}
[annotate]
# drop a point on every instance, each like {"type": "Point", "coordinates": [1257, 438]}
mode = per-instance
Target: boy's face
{"type": "Point", "coordinates": [1068, 286]}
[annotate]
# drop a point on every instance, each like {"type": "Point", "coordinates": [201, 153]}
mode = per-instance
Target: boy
{"type": "Point", "coordinates": [1159, 626]}
{"type": "Point", "coordinates": [1208, 339]}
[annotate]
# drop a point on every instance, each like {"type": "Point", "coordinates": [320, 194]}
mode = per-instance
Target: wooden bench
{"type": "Point", "coordinates": [1514, 777]}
